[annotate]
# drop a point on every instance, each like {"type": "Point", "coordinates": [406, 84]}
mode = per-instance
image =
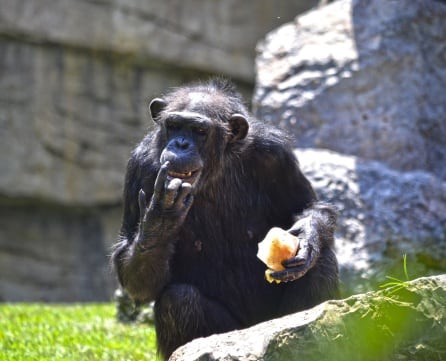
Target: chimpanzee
{"type": "Point", "coordinates": [201, 191]}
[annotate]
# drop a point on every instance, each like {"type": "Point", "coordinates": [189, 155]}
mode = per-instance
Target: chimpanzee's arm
{"type": "Point", "coordinates": [314, 225]}
{"type": "Point", "coordinates": [142, 257]}
{"type": "Point", "coordinates": [315, 230]}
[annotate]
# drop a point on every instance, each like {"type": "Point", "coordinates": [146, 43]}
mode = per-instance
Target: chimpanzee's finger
{"type": "Point", "coordinates": [142, 202]}
{"type": "Point", "coordinates": [171, 193]}
{"type": "Point", "coordinates": [294, 262]}
{"type": "Point", "coordinates": [184, 197]}
{"type": "Point", "coordinates": [287, 275]}
{"type": "Point", "coordinates": [291, 274]}
{"type": "Point", "coordinates": [159, 182]}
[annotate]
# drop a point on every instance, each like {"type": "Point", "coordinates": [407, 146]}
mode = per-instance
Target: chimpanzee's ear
{"type": "Point", "coordinates": [156, 106]}
{"type": "Point", "coordinates": [239, 127]}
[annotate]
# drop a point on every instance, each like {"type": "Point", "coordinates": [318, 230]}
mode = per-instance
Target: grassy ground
{"type": "Point", "coordinates": [71, 332]}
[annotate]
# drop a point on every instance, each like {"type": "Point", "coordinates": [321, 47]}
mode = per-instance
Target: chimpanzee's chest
{"type": "Point", "coordinates": [211, 245]}
{"type": "Point", "coordinates": [216, 252]}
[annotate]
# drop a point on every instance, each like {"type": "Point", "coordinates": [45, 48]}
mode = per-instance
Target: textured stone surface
{"type": "Point", "coordinates": [365, 78]}
{"type": "Point", "coordinates": [218, 37]}
{"type": "Point", "coordinates": [68, 121]}
{"type": "Point", "coordinates": [383, 214]}
{"type": "Point", "coordinates": [408, 324]}
{"type": "Point", "coordinates": [54, 253]}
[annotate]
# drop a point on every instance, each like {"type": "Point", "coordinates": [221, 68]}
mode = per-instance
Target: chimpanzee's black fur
{"type": "Point", "coordinates": [189, 240]}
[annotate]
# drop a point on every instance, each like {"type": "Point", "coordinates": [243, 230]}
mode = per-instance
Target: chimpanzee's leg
{"type": "Point", "coordinates": [182, 314]}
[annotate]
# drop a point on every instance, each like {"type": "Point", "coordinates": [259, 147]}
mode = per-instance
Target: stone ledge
{"type": "Point", "coordinates": [405, 324]}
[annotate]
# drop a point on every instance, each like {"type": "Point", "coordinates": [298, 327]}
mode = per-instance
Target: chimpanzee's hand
{"type": "Point", "coordinates": [306, 257]}
{"type": "Point", "coordinates": [315, 230]}
{"type": "Point", "coordinates": [168, 207]}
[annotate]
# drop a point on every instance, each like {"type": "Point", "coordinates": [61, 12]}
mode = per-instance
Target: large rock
{"type": "Point", "coordinates": [383, 214]}
{"type": "Point", "coordinates": [407, 323]}
{"type": "Point", "coordinates": [361, 77]}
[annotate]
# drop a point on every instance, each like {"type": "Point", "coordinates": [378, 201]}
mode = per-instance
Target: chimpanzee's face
{"type": "Point", "coordinates": [196, 129]}
{"type": "Point", "coordinates": [186, 134]}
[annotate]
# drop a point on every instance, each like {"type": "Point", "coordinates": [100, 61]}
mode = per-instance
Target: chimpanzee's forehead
{"type": "Point", "coordinates": [200, 99]}
{"type": "Point", "coordinates": [188, 116]}
{"type": "Point", "coordinates": [210, 103]}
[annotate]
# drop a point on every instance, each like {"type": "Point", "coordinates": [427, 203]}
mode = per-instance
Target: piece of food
{"type": "Point", "coordinates": [278, 245]}
{"type": "Point", "coordinates": [269, 278]}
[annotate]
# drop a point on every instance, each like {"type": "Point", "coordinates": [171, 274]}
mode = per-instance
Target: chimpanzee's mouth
{"type": "Point", "coordinates": [180, 175]}
{"type": "Point", "coordinates": [187, 176]}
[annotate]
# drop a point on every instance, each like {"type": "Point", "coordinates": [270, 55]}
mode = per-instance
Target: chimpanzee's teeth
{"type": "Point", "coordinates": [180, 175]}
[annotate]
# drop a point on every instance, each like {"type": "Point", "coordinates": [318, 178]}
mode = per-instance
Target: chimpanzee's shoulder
{"type": "Point", "coordinates": [145, 147]}
{"type": "Point", "coordinates": [267, 139]}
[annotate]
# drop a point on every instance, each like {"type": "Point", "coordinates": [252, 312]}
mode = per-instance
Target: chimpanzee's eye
{"type": "Point", "coordinates": [200, 130]}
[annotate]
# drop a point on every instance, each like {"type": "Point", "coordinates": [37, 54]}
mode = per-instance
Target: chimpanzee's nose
{"type": "Point", "coordinates": [182, 143]}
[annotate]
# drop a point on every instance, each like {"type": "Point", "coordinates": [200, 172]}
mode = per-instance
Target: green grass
{"type": "Point", "coordinates": [71, 332]}
{"type": "Point", "coordinates": [395, 283]}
